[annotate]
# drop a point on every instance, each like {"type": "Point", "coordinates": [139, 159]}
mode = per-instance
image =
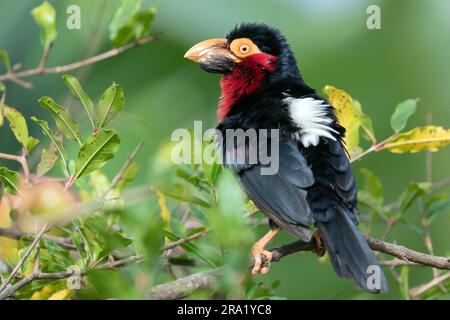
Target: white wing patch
{"type": "Point", "coordinates": [311, 117]}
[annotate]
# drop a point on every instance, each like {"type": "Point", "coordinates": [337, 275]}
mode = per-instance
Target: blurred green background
{"type": "Point", "coordinates": [407, 58]}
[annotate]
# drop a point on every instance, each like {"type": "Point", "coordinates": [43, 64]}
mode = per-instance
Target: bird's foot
{"type": "Point", "coordinates": [320, 248]}
{"type": "Point", "coordinates": [261, 258]}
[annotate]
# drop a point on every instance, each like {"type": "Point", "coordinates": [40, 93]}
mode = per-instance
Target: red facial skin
{"type": "Point", "coordinates": [246, 77]}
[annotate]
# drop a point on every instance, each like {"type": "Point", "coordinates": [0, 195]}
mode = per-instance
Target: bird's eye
{"type": "Point", "coordinates": [244, 49]}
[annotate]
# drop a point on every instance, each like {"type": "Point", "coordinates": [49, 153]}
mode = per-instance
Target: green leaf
{"type": "Point", "coordinates": [127, 177]}
{"type": "Point", "coordinates": [64, 121]}
{"type": "Point", "coordinates": [75, 87]}
{"type": "Point", "coordinates": [142, 22]}
{"type": "Point", "coordinates": [436, 206]}
{"type": "Point", "coordinates": [124, 35]}
{"type": "Point", "coordinates": [110, 104]}
{"type": "Point", "coordinates": [188, 198]}
{"type": "Point", "coordinates": [4, 57]}
{"type": "Point", "coordinates": [137, 26]}
{"type": "Point", "coordinates": [19, 127]}
{"type": "Point", "coordinates": [413, 191]}
{"type": "Point", "coordinates": [56, 140]}
{"type": "Point", "coordinates": [45, 17]}
{"type": "Point", "coordinates": [122, 15]}
{"type": "Point", "coordinates": [48, 159]}
{"type": "Point", "coordinates": [10, 179]}
{"type": "Point", "coordinates": [372, 185]}
{"type": "Point", "coordinates": [402, 112]}
{"type": "Point", "coordinates": [404, 282]}
{"type": "Point", "coordinates": [367, 199]}
{"type": "Point", "coordinates": [1, 113]}
{"type": "Point", "coordinates": [96, 151]}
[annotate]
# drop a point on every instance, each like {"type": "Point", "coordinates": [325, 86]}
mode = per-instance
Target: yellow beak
{"type": "Point", "coordinates": [209, 50]}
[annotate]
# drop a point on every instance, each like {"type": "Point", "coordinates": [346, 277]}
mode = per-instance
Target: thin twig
{"type": "Point", "coordinates": [38, 275]}
{"type": "Point", "coordinates": [395, 263]}
{"type": "Point", "coordinates": [184, 240]}
{"type": "Point", "coordinates": [120, 175]}
{"type": "Point", "coordinates": [375, 147]}
{"type": "Point", "coordinates": [14, 76]}
{"type": "Point", "coordinates": [417, 291]}
{"type": "Point", "coordinates": [19, 234]}
{"type": "Point", "coordinates": [24, 257]}
{"type": "Point", "coordinates": [44, 58]}
{"type": "Point", "coordinates": [21, 159]}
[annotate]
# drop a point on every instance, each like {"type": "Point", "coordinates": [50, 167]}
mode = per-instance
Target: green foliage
{"type": "Point", "coordinates": [45, 17]}
{"type": "Point", "coordinates": [402, 112]}
{"type": "Point", "coordinates": [19, 127]}
{"type": "Point", "coordinates": [75, 87]}
{"type": "Point", "coordinates": [129, 23]}
{"type": "Point", "coordinates": [141, 221]}
{"type": "Point", "coordinates": [110, 104]}
{"type": "Point", "coordinates": [404, 282]}
{"type": "Point", "coordinates": [4, 57]}
{"type": "Point", "coordinates": [98, 149]}
{"type": "Point", "coordinates": [64, 121]}
{"type": "Point", "coordinates": [10, 179]}
{"type": "Point", "coordinates": [56, 140]}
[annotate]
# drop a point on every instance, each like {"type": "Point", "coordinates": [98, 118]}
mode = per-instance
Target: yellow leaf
{"type": "Point", "coordinates": [60, 295]}
{"type": "Point", "coordinates": [165, 213]}
{"type": "Point", "coordinates": [347, 113]}
{"type": "Point", "coordinates": [430, 138]}
{"type": "Point", "coordinates": [44, 293]}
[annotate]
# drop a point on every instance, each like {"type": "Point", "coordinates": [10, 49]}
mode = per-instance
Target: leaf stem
{"type": "Point", "coordinates": [21, 159]}
{"type": "Point", "coordinates": [375, 147]}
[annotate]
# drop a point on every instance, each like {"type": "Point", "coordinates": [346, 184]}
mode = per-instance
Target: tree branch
{"type": "Point", "coordinates": [417, 291]}
{"type": "Point", "coordinates": [209, 280]}
{"type": "Point", "coordinates": [119, 176]}
{"type": "Point", "coordinates": [183, 287]}
{"type": "Point", "coordinates": [409, 255]}
{"type": "Point", "coordinates": [19, 234]}
{"type": "Point", "coordinates": [41, 69]}
{"type": "Point", "coordinates": [36, 240]}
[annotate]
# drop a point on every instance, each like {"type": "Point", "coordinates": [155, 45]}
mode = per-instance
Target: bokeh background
{"type": "Point", "coordinates": [407, 58]}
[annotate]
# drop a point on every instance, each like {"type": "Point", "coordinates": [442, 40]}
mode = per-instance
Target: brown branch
{"type": "Point", "coordinates": [44, 58]}
{"type": "Point", "coordinates": [20, 159]}
{"type": "Point", "coordinates": [38, 275]}
{"type": "Point", "coordinates": [8, 291]}
{"type": "Point", "coordinates": [209, 280]}
{"type": "Point", "coordinates": [395, 263]}
{"type": "Point", "coordinates": [438, 281]}
{"type": "Point", "coordinates": [409, 255]}
{"type": "Point", "coordinates": [16, 76]}
{"type": "Point", "coordinates": [184, 287]}
{"type": "Point", "coordinates": [19, 234]}
{"type": "Point", "coordinates": [36, 240]}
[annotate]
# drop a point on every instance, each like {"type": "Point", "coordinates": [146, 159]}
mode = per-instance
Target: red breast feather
{"type": "Point", "coordinates": [247, 76]}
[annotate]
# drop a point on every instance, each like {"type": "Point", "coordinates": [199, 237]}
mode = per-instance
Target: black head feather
{"type": "Point", "coordinates": [271, 41]}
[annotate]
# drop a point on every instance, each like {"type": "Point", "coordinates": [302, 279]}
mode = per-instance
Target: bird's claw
{"type": "Point", "coordinates": [320, 248]}
{"type": "Point", "coordinates": [262, 260]}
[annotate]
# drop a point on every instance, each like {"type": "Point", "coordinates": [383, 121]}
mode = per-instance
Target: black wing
{"type": "Point", "coordinates": [283, 195]}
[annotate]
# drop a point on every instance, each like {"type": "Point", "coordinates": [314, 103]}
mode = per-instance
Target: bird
{"type": "Point", "coordinates": [314, 187]}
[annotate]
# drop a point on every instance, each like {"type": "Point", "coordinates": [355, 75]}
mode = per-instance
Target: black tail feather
{"type": "Point", "coordinates": [349, 252]}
